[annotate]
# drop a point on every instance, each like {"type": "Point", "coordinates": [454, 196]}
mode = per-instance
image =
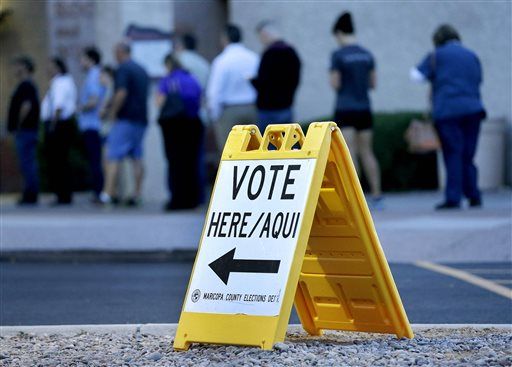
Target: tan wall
{"type": "Point", "coordinates": [17, 36]}
{"type": "Point", "coordinates": [399, 35]}
{"type": "Point", "coordinates": [205, 20]}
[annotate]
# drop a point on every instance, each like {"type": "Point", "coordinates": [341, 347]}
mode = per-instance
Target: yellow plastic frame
{"type": "Point", "coordinates": [315, 297]}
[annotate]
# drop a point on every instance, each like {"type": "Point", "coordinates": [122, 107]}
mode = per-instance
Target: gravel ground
{"type": "Point", "coordinates": [430, 347]}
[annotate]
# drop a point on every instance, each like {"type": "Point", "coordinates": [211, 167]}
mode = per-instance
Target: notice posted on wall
{"type": "Point", "coordinates": [250, 237]}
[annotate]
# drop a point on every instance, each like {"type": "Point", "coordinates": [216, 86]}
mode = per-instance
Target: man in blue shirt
{"type": "Point", "coordinates": [455, 73]}
{"type": "Point", "coordinates": [91, 100]}
{"type": "Point", "coordinates": [129, 111]}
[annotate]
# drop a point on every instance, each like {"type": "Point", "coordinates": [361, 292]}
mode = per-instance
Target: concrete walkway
{"type": "Point", "coordinates": [409, 229]}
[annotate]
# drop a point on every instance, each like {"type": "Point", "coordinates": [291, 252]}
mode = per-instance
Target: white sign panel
{"type": "Point", "coordinates": [250, 237]}
{"type": "Point", "coordinates": [151, 54]}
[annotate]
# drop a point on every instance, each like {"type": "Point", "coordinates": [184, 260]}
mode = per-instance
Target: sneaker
{"type": "Point", "coordinates": [168, 207]}
{"type": "Point", "coordinates": [61, 202]}
{"type": "Point", "coordinates": [132, 202]}
{"type": "Point", "coordinates": [447, 205]}
{"type": "Point", "coordinates": [105, 198]}
{"type": "Point", "coordinates": [475, 203]}
{"type": "Point", "coordinates": [26, 202]}
{"type": "Point", "coordinates": [96, 200]}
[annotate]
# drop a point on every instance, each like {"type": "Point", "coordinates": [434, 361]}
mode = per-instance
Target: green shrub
{"type": "Point", "coordinates": [400, 170]}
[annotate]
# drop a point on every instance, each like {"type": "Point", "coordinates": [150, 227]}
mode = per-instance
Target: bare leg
{"type": "Point", "coordinates": [368, 160]}
{"type": "Point", "coordinates": [138, 173]}
{"type": "Point", "coordinates": [350, 136]}
{"type": "Point", "coordinates": [112, 172]}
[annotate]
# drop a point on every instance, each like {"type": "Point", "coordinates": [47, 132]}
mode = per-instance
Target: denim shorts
{"type": "Point", "coordinates": [125, 140]}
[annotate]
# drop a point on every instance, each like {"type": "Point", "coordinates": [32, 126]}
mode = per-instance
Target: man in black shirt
{"type": "Point", "coordinates": [278, 77]}
{"type": "Point", "coordinates": [23, 122]}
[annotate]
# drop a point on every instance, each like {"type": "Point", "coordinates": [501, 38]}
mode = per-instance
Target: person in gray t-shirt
{"type": "Point", "coordinates": [352, 75]}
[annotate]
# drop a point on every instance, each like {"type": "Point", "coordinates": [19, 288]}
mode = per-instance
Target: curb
{"type": "Point", "coordinates": [170, 329]}
{"type": "Point", "coordinates": [88, 256]}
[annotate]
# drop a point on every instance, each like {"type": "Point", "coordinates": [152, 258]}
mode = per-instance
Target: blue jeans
{"type": "Point", "coordinates": [92, 143]}
{"type": "Point", "coordinates": [267, 117]}
{"type": "Point", "coordinates": [26, 146]}
{"type": "Point", "coordinates": [459, 137]}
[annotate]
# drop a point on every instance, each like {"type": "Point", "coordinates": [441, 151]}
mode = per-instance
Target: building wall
{"type": "Point", "coordinates": [70, 29]}
{"type": "Point", "coordinates": [399, 35]}
{"type": "Point", "coordinates": [17, 38]}
{"type": "Point", "coordinates": [205, 20]}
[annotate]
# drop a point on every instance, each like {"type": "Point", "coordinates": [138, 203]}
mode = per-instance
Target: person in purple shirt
{"type": "Point", "coordinates": [179, 98]}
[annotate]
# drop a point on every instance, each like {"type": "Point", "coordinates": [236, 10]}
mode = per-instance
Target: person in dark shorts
{"type": "Point", "coordinates": [352, 75]}
{"type": "Point", "coordinates": [23, 122]}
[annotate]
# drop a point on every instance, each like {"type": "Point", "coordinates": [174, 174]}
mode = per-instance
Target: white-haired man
{"type": "Point", "coordinates": [277, 79]}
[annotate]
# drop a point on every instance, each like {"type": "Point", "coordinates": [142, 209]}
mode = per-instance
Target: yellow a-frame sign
{"type": "Point", "coordinates": [287, 220]}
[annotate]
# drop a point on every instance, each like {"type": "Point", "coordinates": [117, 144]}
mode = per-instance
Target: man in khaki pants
{"type": "Point", "coordinates": [230, 95]}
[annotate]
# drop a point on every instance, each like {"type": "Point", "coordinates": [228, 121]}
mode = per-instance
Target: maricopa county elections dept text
{"type": "Point", "coordinates": [250, 236]}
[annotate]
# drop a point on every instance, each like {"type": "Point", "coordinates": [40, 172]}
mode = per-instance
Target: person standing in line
{"type": "Point", "coordinates": [455, 74]}
{"type": "Point", "coordinates": [230, 95]}
{"type": "Point", "coordinates": [89, 121]}
{"type": "Point", "coordinates": [23, 122]}
{"type": "Point", "coordinates": [352, 75]}
{"type": "Point", "coordinates": [107, 83]}
{"type": "Point", "coordinates": [185, 49]}
{"type": "Point", "coordinates": [58, 113]}
{"type": "Point", "coordinates": [129, 111]}
{"type": "Point", "coordinates": [278, 77]}
{"type": "Point", "coordinates": [179, 99]}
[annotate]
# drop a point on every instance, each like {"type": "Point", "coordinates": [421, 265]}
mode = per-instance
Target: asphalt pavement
{"type": "Point", "coordinates": [120, 293]}
{"type": "Point", "coordinates": [88, 265]}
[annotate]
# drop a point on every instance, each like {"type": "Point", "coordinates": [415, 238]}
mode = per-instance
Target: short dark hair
{"type": "Point", "coordinates": [170, 58]}
{"type": "Point", "coordinates": [93, 54]}
{"type": "Point", "coordinates": [189, 41]}
{"type": "Point", "coordinates": [233, 33]}
{"type": "Point", "coordinates": [26, 62]}
{"type": "Point", "coordinates": [443, 34]}
{"type": "Point", "coordinates": [125, 47]}
{"type": "Point", "coordinates": [61, 65]}
{"type": "Point", "coordinates": [344, 24]}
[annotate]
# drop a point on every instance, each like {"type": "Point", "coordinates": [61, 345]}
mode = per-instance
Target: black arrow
{"type": "Point", "coordinates": [226, 264]}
